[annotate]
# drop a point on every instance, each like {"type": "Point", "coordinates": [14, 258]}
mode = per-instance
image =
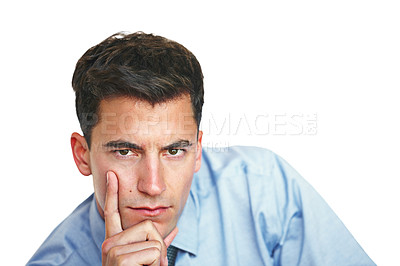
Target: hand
{"type": "Point", "coordinates": [140, 244]}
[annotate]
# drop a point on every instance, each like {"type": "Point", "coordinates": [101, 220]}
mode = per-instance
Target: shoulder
{"type": "Point", "coordinates": [70, 236]}
{"type": "Point", "coordinates": [252, 184]}
{"type": "Point", "coordinates": [244, 166]}
{"type": "Point", "coordinates": [245, 161]}
{"type": "Point", "coordinates": [249, 158]}
{"type": "Point", "coordinates": [257, 172]}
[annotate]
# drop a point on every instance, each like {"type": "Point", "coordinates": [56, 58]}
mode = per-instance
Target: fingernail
{"type": "Point", "coordinates": [107, 179]}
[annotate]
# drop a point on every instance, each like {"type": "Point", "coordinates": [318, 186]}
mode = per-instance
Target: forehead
{"type": "Point", "coordinates": [141, 121]}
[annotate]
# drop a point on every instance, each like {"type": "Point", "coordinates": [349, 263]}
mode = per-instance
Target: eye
{"type": "Point", "coordinates": [175, 152]}
{"type": "Point", "coordinates": [124, 152]}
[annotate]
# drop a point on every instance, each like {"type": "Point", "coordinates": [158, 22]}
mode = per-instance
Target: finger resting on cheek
{"type": "Point", "coordinates": [112, 181]}
{"type": "Point", "coordinates": [111, 210]}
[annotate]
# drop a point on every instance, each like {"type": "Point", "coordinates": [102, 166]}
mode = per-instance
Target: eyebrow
{"type": "Point", "coordinates": [119, 144]}
{"type": "Point", "coordinates": [178, 144]}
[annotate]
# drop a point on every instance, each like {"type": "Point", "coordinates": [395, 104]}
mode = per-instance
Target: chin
{"type": "Point", "coordinates": [163, 227]}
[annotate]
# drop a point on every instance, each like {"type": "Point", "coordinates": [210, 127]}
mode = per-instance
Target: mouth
{"type": "Point", "coordinates": [150, 211]}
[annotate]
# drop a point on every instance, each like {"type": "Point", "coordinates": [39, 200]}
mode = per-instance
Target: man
{"type": "Point", "coordinates": [139, 100]}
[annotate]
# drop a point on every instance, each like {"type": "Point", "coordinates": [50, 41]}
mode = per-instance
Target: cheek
{"type": "Point", "coordinates": [100, 191]}
{"type": "Point", "coordinates": [100, 167]}
{"type": "Point", "coordinates": [186, 182]}
{"type": "Point", "coordinates": [99, 183]}
{"type": "Point", "coordinates": [101, 164]}
{"type": "Point", "coordinates": [185, 187]}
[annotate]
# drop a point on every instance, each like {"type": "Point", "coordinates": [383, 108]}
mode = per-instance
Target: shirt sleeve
{"type": "Point", "coordinates": [312, 233]}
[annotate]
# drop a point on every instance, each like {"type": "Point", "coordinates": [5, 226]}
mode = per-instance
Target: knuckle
{"type": "Point", "coordinates": [122, 261]}
{"type": "Point", "coordinates": [156, 244]}
{"type": "Point", "coordinates": [155, 252]}
{"type": "Point", "coordinates": [148, 224]}
{"type": "Point", "coordinates": [112, 253]}
{"type": "Point", "coordinates": [126, 260]}
{"type": "Point", "coordinates": [108, 213]}
{"type": "Point", "coordinates": [105, 247]}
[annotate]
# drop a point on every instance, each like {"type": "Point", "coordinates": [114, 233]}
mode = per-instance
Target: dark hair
{"type": "Point", "coordinates": [143, 66]}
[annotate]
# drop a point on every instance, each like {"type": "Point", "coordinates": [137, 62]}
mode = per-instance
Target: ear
{"type": "Point", "coordinates": [80, 151]}
{"type": "Point", "coordinates": [199, 151]}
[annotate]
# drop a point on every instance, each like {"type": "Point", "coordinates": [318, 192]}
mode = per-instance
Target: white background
{"type": "Point", "coordinates": [339, 60]}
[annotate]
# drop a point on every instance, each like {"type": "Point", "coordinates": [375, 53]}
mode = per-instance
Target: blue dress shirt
{"type": "Point", "coordinates": [247, 206]}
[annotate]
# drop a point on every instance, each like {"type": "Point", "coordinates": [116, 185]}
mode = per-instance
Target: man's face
{"type": "Point", "coordinates": [154, 151]}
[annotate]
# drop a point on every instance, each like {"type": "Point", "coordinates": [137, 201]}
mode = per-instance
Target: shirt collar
{"type": "Point", "coordinates": [187, 238]}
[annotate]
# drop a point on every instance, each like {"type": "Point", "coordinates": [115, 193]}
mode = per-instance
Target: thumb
{"type": "Point", "coordinates": [168, 240]}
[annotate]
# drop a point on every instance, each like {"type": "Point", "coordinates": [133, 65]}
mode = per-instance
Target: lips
{"type": "Point", "coordinates": [150, 211]}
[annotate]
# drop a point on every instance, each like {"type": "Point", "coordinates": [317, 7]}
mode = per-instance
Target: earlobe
{"type": "Point", "coordinates": [80, 151]}
{"type": "Point", "coordinates": [199, 151]}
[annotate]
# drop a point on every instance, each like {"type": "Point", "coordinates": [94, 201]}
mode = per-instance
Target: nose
{"type": "Point", "coordinates": [150, 181]}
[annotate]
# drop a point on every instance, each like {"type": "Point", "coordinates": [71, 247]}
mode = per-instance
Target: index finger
{"type": "Point", "coordinates": [112, 217]}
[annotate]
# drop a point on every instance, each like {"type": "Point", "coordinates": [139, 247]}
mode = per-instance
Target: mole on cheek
{"type": "Point", "coordinates": [130, 190]}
